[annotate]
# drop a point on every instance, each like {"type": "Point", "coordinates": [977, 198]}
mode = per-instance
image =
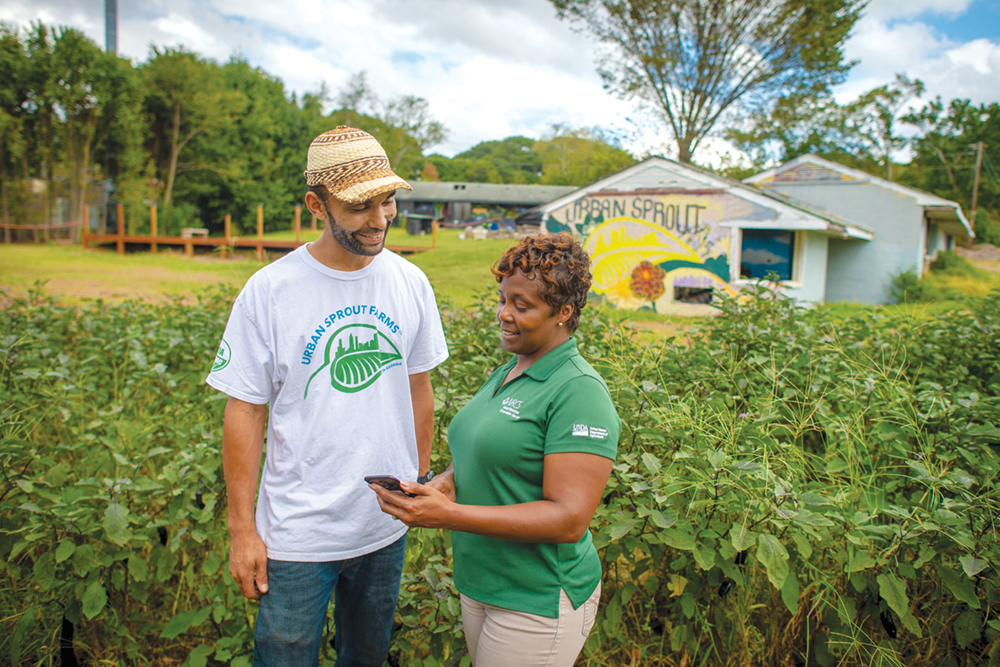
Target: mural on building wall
{"type": "Point", "coordinates": [665, 252]}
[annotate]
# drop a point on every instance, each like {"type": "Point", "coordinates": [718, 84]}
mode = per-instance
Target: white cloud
{"type": "Point", "coordinates": [489, 68]}
{"type": "Point", "coordinates": [882, 10]}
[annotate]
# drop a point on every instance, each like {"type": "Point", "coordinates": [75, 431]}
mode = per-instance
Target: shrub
{"type": "Point", "coordinates": [792, 488]}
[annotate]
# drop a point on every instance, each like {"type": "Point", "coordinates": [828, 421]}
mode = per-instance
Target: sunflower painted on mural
{"type": "Point", "coordinates": [646, 281]}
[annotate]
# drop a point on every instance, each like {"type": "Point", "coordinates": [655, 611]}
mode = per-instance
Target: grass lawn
{"type": "Point", "coordinates": [457, 269]}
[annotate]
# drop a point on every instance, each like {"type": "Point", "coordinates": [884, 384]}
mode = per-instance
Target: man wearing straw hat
{"type": "Point", "coordinates": [331, 346]}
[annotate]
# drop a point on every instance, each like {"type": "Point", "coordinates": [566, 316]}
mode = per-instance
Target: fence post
{"type": "Point", "coordinates": [85, 229]}
{"type": "Point", "coordinates": [434, 233]}
{"type": "Point", "coordinates": [227, 233]}
{"type": "Point", "coordinates": [260, 232]}
{"type": "Point", "coordinates": [152, 228]}
{"type": "Point", "coordinates": [120, 242]}
{"type": "Point", "coordinates": [298, 223]}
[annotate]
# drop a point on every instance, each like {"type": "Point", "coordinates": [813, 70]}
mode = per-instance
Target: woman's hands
{"type": "Point", "coordinates": [430, 508]}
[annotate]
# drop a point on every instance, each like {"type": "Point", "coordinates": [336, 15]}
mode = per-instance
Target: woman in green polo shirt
{"type": "Point", "coordinates": [532, 452]}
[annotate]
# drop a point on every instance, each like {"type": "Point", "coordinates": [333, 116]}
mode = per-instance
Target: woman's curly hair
{"type": "Point", "coordinates": [561, 265]}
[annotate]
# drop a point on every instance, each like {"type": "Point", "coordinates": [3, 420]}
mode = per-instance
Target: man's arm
{"type": "Point", "coordinates": [422, 395]}
{"type": "Point", "coordinates": [242, 446]}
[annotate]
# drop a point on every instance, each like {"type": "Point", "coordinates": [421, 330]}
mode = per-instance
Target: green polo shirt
{"type": "Point", "coordinates": [498, 443]}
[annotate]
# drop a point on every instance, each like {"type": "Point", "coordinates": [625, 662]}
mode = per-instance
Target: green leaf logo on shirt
{"type": "Point", "coordinates": [356, 355]}
{"type": "Point", "coordinates": [222, 357]}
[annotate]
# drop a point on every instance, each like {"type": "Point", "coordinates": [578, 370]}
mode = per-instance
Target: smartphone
{"type": "Point", "coordinates": [389, 483]}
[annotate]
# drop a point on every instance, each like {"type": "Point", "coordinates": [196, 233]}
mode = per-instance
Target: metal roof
{"type": "Point", "coordinates": [933, 205]}
{"type": "Point", "coordinates": [661, 175]}
{"type": "Point", "coordinates": [483, 193]}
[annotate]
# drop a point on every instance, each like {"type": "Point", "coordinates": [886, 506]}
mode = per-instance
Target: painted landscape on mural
{"type": "Point", "coordinates": [667, 252]}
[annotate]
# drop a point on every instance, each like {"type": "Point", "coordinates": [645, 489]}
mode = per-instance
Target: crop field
{"type": "Point", "coordinates": [793, 487]}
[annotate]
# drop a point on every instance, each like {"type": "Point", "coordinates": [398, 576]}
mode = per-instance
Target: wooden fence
{"type": "Point", "coordinates": [190, 237]}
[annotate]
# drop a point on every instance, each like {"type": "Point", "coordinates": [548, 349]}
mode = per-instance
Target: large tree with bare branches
{"type": "Point", "coordinates": [692, 61]}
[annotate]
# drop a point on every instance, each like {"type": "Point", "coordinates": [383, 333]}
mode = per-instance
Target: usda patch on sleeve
{"type": "Point", "coordinates": [584, 431]}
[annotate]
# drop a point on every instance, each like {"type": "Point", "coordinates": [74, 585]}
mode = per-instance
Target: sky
{"type": "Point", "coordinates": [490, 69]}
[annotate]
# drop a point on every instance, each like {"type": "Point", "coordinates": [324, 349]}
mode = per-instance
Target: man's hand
{"type": "Point", "coordinates": [248, 565]}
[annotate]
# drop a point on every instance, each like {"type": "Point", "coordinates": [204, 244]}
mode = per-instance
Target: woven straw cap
{"type": "Point", "coordinates": [351, 164]}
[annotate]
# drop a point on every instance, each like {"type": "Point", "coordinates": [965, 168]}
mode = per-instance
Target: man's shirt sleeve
{"type": "Point", "coordinates": [244, 363]}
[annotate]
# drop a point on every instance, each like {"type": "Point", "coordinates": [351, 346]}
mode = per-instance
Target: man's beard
{"type": "Point", "coordinates": [348, 242]}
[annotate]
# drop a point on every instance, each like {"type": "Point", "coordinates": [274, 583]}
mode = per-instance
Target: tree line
{"type": "Point", "coordinates": [202, 139]}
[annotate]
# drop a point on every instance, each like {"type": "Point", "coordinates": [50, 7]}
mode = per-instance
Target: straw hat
{"type": "Point", "coordinates": [351, 164]}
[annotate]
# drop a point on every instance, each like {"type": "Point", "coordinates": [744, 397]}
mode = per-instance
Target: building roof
{"type": "Point", "coordinates": [483, 193]}
{"type": "Point", "coordinates": [657, 175]}
{"type": "Point", "coordinates": [815, 170]}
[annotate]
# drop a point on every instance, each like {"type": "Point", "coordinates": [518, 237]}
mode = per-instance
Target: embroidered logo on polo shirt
{"type": "Point", "coordinates": [584, 431]}
{"type": "Point", "coordinates": [511, 407]}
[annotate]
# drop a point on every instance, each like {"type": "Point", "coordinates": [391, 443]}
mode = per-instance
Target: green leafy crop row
{"type": "Point", "coordinates": [792, 488]}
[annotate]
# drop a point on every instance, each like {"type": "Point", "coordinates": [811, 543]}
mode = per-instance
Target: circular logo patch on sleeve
{"type": "Point", "coordinates": [222, 357]}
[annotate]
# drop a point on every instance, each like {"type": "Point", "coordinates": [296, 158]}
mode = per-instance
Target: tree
{"type": "Point", "coordinates": [356, 96]}
{"type": "Point", "coordinates": [13, 92]}
{"type": "Point", "coordinates": [186, 99]}
{"type": "Point", "coordinates": [96, 93]}
{"type": "Point", "coordinates": [869, 122]}
{"type": "Point", "coordinates": [945, 153]}
{"type": "Point", "coordinates": [691, 61]}
{"type": "Point", "coordinates": [412, 116]}
{"type": "Point", "coordinates": [514, 158]}
{"type": "Point", "coordinates": [578, 156]}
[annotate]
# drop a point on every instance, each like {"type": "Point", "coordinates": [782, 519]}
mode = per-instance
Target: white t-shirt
{"type": "Point", "coordinates": [331, 352]}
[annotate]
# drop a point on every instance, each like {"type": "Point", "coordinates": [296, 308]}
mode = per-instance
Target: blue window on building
{"type": "Point", "coordinates": [767, 251]}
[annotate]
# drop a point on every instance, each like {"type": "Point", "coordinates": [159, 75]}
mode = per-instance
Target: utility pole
{"type": "Point", "coordinates": [975, 190]}
{"type": "Point", "coordinates": [111, 26]}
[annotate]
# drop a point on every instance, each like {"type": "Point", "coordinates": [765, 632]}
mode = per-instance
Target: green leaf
{"type": "Point", "coordinates": [790, 593]}
{"type": "Point", "coordinates": [678, 538]}
{"type": "Point", "coordinates": [968, 628]}
{"type": "Point", "coordinates": [116, 523]}
{"type": "Point", "coordinates": [860, 561]}
{"type": "Point", "coordinates": [893, 591]}
{"type": "Point", "coordinates": [45, 571]}
{"type": "Point", "coordinates": [973, 565]}
{"type": "Point", "coordinates": [803, 545]}
{"type": "Point", "coordinates": [651, 462]}
{"type": "Point", "coordinates": [704, 557]}
{"type": "Point", "coordinates": [179, 624]}
{"type": "Point", "coordinates": [742, 537]}
{"type": "Point", "coordinates": [772, 553]}
{"type": "Point", "coordinates": [65, 550]}
{"type": "Point", "coordinates": [807, 518]}
{"type": "Point", "coordinates": [199, 656]}
{"type": "Point", "coordinates": [620, 529]}
{"type": "Point", "coordinates": [910, 623]}
{"type": "Point", "coordinates": [663, 520]}
{"type": "Point", "coordinates": [961, 587]}
{"type": "Point", "coordinates": [138, 569]}
{"type": "Point", "coordinates": [94, 599]}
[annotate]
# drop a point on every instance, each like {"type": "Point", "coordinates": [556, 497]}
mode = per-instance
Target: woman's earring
{"type": "Point", "coordinates": [560, 324]}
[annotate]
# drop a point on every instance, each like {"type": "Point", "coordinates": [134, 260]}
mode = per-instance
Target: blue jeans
{"type": "Point", "coordinates": [290, 621]}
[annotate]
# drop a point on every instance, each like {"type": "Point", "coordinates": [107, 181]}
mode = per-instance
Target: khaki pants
{"type": "Point", "coordinates": [503, 638]}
